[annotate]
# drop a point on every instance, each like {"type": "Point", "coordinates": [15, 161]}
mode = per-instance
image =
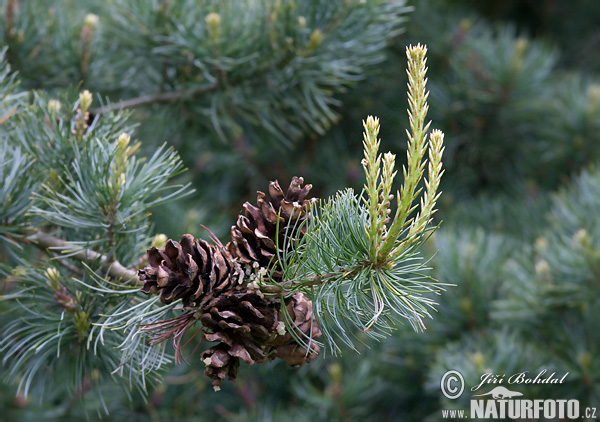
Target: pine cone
{"type": "Point", "coordinates": [243, 323]}
{"type": "Point", "coordinates": [250, 327]}
{"type": "Point", "coordinates": [191, 270]}
{"type": "Point", "coordinates": [254, 235]}
{"type": "Point", "coordinates": [300, 311]}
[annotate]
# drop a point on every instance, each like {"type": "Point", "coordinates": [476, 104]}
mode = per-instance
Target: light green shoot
{"type": "Point", "coordinates": [362, 269]}
{"type": "Point", "coordinates": [384, 234]}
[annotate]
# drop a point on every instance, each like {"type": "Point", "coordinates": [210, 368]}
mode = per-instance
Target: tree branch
{"type": "Point", "coordinates": [173, 96]}
{"type": "Point", "coordinates": [316, 280]}
{"type": "Point", "coordinates": [115, 268]}
{"type": "Point", "coordinates": [163, 97]}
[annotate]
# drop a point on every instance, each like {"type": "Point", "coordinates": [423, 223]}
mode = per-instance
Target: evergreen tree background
{"type": "Point", "coordinates": [514, 86]}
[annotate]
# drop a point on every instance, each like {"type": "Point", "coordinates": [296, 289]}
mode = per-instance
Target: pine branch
{"type": "Point", "coordinates": [359, 272]}
{"type": "Point", "coordinates": [115, 268]}
{"type": "Point", "coordinates": [163, 97]}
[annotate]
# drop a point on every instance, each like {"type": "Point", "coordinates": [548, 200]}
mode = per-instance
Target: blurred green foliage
{"type": "Point", "coordinates": [515, 87]}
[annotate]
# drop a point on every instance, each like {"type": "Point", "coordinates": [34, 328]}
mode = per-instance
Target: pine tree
{"type": "Point", "coordinates": [76, 315]}
{"type": "Point", "coordinates": [254, 92]}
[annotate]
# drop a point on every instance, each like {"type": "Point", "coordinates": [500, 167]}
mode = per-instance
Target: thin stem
{"type": "Point", "coordinates": [115, 268]}
{"type": "Point", "coordinates": [317, 280]}
{"type": "Point", "coordinates": [174, 96]}
{"type": "Point", "coordinates": [163, 97]}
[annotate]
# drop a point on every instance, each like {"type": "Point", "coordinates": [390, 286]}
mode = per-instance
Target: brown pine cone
{"type": "Point", "coordinates": [254, 237]}
{"type": "Point", "coordinates": [191, 270]}
{"type": "Point", "coordinates": [300, 310]}
{"type": "Point", "coordinates": [250, 327]}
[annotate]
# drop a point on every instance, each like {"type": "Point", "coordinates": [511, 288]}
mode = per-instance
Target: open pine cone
{"type": "Point", "coordinates": [190, 270]}
{"type": "Point", "coordinates": [254, 234]}
{"type": "Point", "coordinates": [250, 327]}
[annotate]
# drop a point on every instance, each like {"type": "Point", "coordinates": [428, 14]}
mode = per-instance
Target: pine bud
{"type": "Point", "coordinates": [91, 20]}
{"type": "Point", "coordinates": [54, 106]}
{"type": "Point", "coordinates": [53, 277]}
{"type": "Point", "coordinates": [213, 22]}
{"type": "Point", "coordinates": [64, 299]}
{"type": "Point", "coordinates": [123, 142]}
{"type": "Point", "coordinates": [121, 154]}
{"type": "Point", "coordinates": [301, 22]}
{"type": "Point", "coordinates": [159, 241]}
{"type": "Point", "coordinates": [541, 244]}
{"type": "Point", "coordinates": [372, 123]}
{"type": "Point", "coordinates": [582, 238]}
{"type": "Point", "coordinates": [335, 371]}
{"type": "Point", "coordinates": [85, 100]}
{"type": "Point", "coordinates": [315, 40]}
{"type": "Point", "coordinates": [542, 267]}
{"type": "Point", "coordinates": [87, 33]}
{"type": "Point", "coordinates": [82, 324]}
{"type": "Point", "coordinates": [466, 305]}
